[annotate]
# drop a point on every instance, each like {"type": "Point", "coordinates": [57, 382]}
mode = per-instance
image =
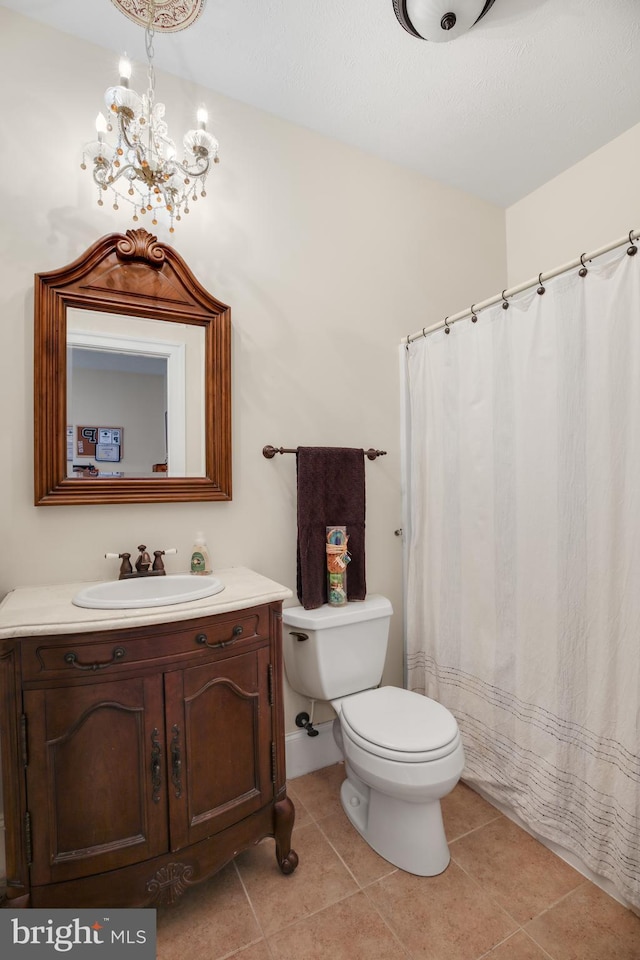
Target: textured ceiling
{"type": "Point", "coordinates": [531, 89]}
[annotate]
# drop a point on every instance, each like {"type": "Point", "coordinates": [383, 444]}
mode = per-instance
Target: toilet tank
{"type": "Point", "coordinates": [331, 652]}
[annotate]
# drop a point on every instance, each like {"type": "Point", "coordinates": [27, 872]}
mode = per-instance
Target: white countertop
{"type": "Point", "coordinates": [40, 611]}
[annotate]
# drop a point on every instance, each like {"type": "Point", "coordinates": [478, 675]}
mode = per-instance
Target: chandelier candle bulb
{"type": "Point", "coordinates": [124, 69]}
{"type": "Point", "coordinates": [101, 126]}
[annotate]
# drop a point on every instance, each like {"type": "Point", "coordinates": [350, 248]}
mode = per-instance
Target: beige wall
{"type": "Point", "coordinates": [589, 205]}
{"type": "Point", "coordinates": [327, 258]}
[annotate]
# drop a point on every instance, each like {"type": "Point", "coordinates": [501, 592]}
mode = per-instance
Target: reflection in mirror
{"type": "Point", "coordinates": [112, 396]}
{"type": "Point", "coordinates": [143, 378]}
{"type": "Point", "coordinates": [132, 379]}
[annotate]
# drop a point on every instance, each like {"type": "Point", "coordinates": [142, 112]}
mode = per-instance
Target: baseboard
{"type": "Point", "coordinates": [305, 754]}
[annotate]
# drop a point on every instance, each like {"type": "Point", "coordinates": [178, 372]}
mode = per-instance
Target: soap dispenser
{"type": "Point", "coordinates": [200, 562]}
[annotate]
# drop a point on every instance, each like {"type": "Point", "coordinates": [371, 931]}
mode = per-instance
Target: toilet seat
{"type": "Point", "coordinates": [398, 725]}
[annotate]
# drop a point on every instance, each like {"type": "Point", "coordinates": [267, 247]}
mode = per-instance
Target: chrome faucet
{"type": "Point", "coordinates": [143, 565]}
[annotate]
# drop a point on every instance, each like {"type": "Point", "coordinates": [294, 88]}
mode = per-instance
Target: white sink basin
{"type": "Point", "coordinates": [147, 592]}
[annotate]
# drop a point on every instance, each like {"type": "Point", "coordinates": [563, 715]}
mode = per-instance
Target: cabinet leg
{"type": "Point", "coordinates": [283, 816]}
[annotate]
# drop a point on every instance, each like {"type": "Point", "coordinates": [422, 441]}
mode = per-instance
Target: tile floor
{"type": "Point", "coordinates": [504, 896]}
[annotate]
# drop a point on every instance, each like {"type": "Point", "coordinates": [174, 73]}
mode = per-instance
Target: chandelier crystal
{"type": "Point", "coordinates": [140, 165]}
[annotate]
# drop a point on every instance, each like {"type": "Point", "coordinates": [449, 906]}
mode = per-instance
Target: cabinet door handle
{"type": "Point", "coordinates": [236, 633]}
{"type": "Point", "coordinates": [72, 659]}
{"type": "Point", "coordinates": [176, 761]}
{"type": "Point", "coordinates": [156, 776]}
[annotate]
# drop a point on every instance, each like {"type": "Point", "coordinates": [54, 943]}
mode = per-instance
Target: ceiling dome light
{"type": "Point", "coordinates": [439, 20]}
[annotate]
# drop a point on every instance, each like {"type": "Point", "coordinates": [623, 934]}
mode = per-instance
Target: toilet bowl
{"type": "Point", "coordinates": [402, 751]}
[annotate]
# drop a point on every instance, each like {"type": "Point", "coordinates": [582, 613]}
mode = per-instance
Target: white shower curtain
{"type": "Point", "coordinates": [523, 572]}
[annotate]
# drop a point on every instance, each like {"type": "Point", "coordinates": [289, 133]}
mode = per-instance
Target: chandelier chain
{"type": "Point", "coordinates": [149, 34]}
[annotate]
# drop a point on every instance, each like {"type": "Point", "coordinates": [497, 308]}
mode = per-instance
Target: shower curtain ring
{"type": "Point", "coordinates": [582, 272]}
{"type": "Point", "coordinates": [632, 250]}
{"type": "Point", "coordinates": [424, 331]}
{"type": "Point", "coordinates": [505, 305]}
{"type": "Point", "coordinates": [446, 325]}
{"type": "Point", "coordinates": [540, 289]}
{"type": "Point", "coordinates": [474, 315]}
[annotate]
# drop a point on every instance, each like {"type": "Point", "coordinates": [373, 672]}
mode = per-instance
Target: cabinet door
{"type": "Point", "coordinates": [219, 744]}
{"type": "Point", "coordinates": [96, 788]}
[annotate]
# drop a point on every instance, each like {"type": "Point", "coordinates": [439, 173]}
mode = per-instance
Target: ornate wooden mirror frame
{"type": "Point", "coordinates": [135, 275]}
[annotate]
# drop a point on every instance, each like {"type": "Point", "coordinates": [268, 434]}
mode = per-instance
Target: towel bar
{"type": "Point", "coordinates": [269, 452]}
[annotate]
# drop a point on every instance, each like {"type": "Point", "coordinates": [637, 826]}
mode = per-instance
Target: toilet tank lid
{"type": "Point", "coordinates": [372, 607]}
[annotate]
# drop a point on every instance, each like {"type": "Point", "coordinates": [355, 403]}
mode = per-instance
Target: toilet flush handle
{"type": "Point", "coordinates": [299, 636]}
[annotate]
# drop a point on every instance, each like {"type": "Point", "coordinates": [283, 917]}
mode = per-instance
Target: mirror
{"type": "Point", "coordinates": [132, 379]}
{"type": "Point", "coordinates": [143, 379]}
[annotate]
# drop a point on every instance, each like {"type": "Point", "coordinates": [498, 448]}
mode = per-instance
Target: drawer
{"type": "Point", "coordinates": [108, 652]}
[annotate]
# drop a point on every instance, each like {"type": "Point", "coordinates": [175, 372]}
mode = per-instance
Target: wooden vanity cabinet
{"type": "Point", "coordinates": [138, 762]}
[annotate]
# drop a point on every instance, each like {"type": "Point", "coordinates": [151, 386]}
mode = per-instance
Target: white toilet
{"type": "Point", "coordinates": [402, 751]}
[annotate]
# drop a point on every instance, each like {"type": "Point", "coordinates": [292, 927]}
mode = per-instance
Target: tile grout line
{"type": "Point", "coordinates": [363, 889]}
{"type": "Point", "coordinates": [342, 861]}
{"type": "Point", "coordinates": [490, 896]}
{"type": "Point", "coordinates": [521, 926]}
{"type": "Point", "coordinates": [315, 913]}
{"type": "Point", "coordinates": [316, 818]}
{"type": "Point", "coordinates": [506, 940]}
{"type": "Point", "coordinates": [585, 882]}
{"type": "Point", "coordinates": [387, 924]}
{"type": "Point", "coordinates": [317, 821]}
{"type": "Point", "coordinates": [496, 945]}
{"type": "Point", "coordinates": [306, 916]}
{"type": "Point", "coordinates": [468, 833]}
{"type": "Point", "coordinates": [551, 907]}
{"type": "Point", "coordinates": [515, 920]}
{"type": "Point", "coordinates": [237, 954]}
{"type": "Point", "coordinates": [253, 911]}
{"type": "Point", "coordinates": [328, 906]}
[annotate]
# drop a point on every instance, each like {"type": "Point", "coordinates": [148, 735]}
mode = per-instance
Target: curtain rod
{"type": "Point", "coordinates": [269, 452]}
{"type": "Point", "coordinates": [579, 262]}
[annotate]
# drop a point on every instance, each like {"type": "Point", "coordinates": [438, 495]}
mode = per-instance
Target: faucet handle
{"type": "Point", "coordinates": [158, 565]}
{"type": "Point", "coordinates": [125, 566]}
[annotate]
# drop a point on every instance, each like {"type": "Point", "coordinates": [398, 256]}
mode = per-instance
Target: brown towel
{"type": "Point", "coordinates": [331, 492]}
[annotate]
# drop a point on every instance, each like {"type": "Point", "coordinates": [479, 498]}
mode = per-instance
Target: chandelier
{"type": "Point", "coordinates": [140, 165]}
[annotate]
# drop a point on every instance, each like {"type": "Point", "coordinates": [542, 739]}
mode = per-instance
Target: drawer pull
{"type": "Point", "coordinates": [72, 658]}
{"type": "Point", "coordinates": [236, 633]}
{"type": "Point", "coordinates": [176, 761]}
{"type": "Point", "coordinates": [156, 775]}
